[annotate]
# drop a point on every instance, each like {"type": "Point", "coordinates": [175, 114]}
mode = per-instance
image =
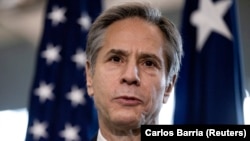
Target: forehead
{"type": "Point", "coordinates": [134, 34]}
{"type": "Point", "coordinates": [136, 27]}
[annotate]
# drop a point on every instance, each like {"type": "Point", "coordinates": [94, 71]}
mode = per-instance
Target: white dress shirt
{"type": "Point", "coordinates": [100, 136]}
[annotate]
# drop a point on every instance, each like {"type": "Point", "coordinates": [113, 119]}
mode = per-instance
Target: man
{"type": "Point", "coordinates": [133, 57]}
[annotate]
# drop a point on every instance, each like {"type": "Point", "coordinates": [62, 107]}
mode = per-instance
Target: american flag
{"type": "Point", "coordinates": [209, 89]}
{"type": "Point", "coordinates": [59, 107]}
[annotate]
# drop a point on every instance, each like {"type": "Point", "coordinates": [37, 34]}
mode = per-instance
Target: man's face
{"type": "Point", "coordinates": [128, 84]}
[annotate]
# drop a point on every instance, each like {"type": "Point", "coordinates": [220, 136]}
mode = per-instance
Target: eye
{"type": "Point", "coordinates": [149, 63]}
{"type": "Point", "coordinates": [115, 59]}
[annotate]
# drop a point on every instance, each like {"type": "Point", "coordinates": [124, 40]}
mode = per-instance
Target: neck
{"type": "Point", "coordinates": [121, 135]}
{"type": "Point", "coordinates": [123, 132]}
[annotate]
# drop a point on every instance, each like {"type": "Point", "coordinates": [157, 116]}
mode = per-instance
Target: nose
{"type": "Point", "coordinates": [130, 75]}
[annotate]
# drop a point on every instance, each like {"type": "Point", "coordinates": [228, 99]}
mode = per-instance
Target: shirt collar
{"type": "Point", "coordinates": [100, 136]}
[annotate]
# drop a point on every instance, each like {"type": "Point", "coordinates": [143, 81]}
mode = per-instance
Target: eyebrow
{"type": "Point", "coordinates": [118, 52]}
{"type": "Point", "coordinates": [150, 55]}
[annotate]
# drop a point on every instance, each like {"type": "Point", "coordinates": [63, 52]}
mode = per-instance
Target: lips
{"type": "Point", "coordinates": [128, 100]}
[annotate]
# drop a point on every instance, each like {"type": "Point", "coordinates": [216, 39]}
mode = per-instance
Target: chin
{"type": "Point", "coordinates": [127, 122]}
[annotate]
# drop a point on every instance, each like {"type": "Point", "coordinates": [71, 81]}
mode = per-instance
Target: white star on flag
{"type": "Point", "coordinates": [51, 54]}
{"type": "Point", "coordinates": [38, 130]}
{"type": "Point", "coordinates": [79, 58]}
{"type": "Point", "coordinates": [76, 96]}
{"type": "Point", "coordinates": [57, 15]}
{"type": "Point", "coordinates": [84, 21]}
{"type": "Point", "coordinates": [208, 18]}
{"type": "Point", "coordinates": [44, 91]}
{"type": "Point", "coordinates": [70, 133]}
{"type": "Point", "coordinates": [58, 94]}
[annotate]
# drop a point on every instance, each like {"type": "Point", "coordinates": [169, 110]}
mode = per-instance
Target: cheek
{"type": "Point", "coordinates": [100, 79]}
{"type": "Point", "coordinates": [154, 99]}
{"type": "Point", "coordinates": [156, 88]}
{"type": "Point", "coordinates": [102, 87]}
{"type": "Point", "coordinates": [100, 96]}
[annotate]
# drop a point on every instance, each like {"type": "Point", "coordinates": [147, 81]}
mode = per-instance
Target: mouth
{"type": "Point", "coordinates": [128, 100]}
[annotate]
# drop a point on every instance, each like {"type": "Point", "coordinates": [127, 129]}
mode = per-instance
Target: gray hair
{"type": "Point", "coordinates": [172, 49]}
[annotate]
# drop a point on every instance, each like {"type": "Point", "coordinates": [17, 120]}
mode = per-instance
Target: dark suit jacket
{"type": "Point", "coordinates": [94, 138]}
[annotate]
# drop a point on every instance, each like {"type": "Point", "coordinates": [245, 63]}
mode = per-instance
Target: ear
{"type": "Point", "coordinates": [89, 79]}
{"type": "Point", "coordinates": [169, 88]}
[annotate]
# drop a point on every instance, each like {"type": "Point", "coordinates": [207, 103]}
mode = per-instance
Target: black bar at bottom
{"type": "Point", "coordinates": [195, 132]}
